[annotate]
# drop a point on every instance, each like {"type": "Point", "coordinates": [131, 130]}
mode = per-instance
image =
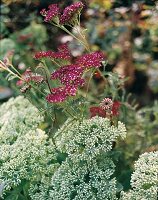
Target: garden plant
{"type": "Point", "coordinates": [64, 139]}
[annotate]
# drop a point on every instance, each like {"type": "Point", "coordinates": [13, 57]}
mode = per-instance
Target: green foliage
{"type": "Point", "coordinates": [6, 45]}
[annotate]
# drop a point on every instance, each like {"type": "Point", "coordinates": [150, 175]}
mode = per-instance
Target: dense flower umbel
{"type": "Point", "coordinates": [70, 77]}
{"type": "Point", "coordinates": [17, 117]}
{"type": "Point", "coordinates": [69, 16]}
{"type": "Point", "coordinates": [90, 60]}
{"type": "Point", "coordinates": [63, 53]}
{"type": "Point", "coordinates": [26, 159]}
{"type": "Point", "coordinates": [86, 172]}
{"type": "Point", "coordinates": [89, 138]}
{"type": "Point", "coordinates": [57, 95]}
{"type": "Point", "coordinates": [71, 13]}
{"type": "Point", "coordinates": [52, 13]}
{"type": "Point", "coordinates": [84, 181]}
{"type": "Point", "coordinates": [61, 93]}
{"type": "Point", "coordinates": [68, 74]}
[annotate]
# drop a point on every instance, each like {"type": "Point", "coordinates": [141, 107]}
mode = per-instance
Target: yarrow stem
{"type": "Point", "coordinates": [4, 67]}
{"type": "Point", "coordinates": [80, 41]}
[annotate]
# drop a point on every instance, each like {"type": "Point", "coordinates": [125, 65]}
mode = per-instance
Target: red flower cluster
{"type": "Point", "coordinates": [68, 74]}
{"type": "Point", "coordinates": [52, 12]}
{"type": "Point", "coordinates": [115, 108]}
{"type": "Point", "coordinates": [91, 60]}
{"type": "Point", "coordinates": [63, 53]}
{"type": "Point", "coordinates": [57, 95]}
{"type": "Point", "coordinates": [70, 77]}
{"type": "Point", "coordinates": [69, 14]}
{"type": "Point", "coordinates": [102, 112]}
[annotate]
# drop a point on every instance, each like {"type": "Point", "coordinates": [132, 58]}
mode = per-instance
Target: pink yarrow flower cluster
{"type": "Point", "coordinates": [91, 60]}
{"type": "Point", "coordinates": [68, 74]}
{"type": "Point", "coordinates": [57, 95]}
{"type": "Point", "coordinates": [69, 15]}
{"type": "Point", "coordinates": [63, 53]}
{"type": "Point", "coordinates": [71, 77]}
{"type": "Point", "coordinates": [97, 111]}
{"type": "Point", "coordinates": [52, 12]}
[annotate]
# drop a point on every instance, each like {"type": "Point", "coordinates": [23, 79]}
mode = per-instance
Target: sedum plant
{"type": "Point", "coordinates": [25, 161]}
{"type": "Point", "coordinates": [17, 117]}
{"type": "Point", "coordinates": [93, 136]}
{"type": "Point", "coordinates": [80, 180]}
{"type": "Point", "coordinates": [144, 180]}
{"type": "Point", "coordinates": [86, 169]}
{"type": "Point", "coordinates": [74, 165]}
{"type": "Point", "coordinates": [26, 153]}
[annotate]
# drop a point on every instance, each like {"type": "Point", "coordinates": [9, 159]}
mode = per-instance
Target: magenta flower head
{"type": "Point", "coordinates": [115, 108]}
{"type": "Point", "coordinates": [69, 74]}
{"type": "Point", "coordinates": [60, 94]}
{"type": "Point", "coordinates": [52, 14]}
{"type": "Point", "coordinates": [57, 95]}
{"type": "Point", "coordinates": [71, 78]}
{"type": "Point", "coordinates": [71, 13]}
{"type": "Point", "coordinates": [90, 60]}
{"type": "Point", "coordinates": [62, 54]}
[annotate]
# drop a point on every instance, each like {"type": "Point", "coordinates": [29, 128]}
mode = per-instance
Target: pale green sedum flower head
{"type": "Point", "coordinates": [17, 117]}
{"type": "Point", "coordinates": [144, 180]}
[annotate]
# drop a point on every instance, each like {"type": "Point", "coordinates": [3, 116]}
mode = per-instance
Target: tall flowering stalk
{"type": "Point", "coordinates": [65, 84]}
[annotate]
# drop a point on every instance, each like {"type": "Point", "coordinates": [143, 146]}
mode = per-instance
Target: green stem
{"type": "Point", "coordinates": [56, 63]}
{"type": "Point", "coordinates": [80, 41]}
{"type": "Point", "coordinates": [15, 70]}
